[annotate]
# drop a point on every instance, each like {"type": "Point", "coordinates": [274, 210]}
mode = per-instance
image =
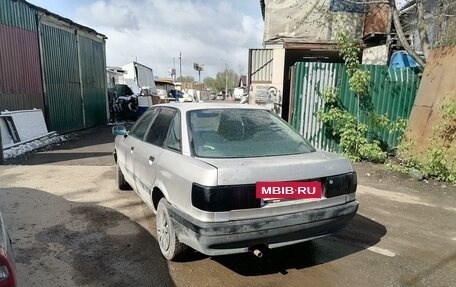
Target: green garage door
{"type": "Point", "coordinates": [75, 78]}
{"type": "Point", "coordinates": [61, 72]}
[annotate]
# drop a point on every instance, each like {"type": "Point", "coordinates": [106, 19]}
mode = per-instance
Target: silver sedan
{"type": "Point", "coordinates": [7, 268]}
{"type": "Point", "coordinates": [228, 178]}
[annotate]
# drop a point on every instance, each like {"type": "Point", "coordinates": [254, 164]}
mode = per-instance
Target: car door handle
{"type": "Point", "coordinates": [151, 160]}
{"type": "Point", "coordinates": [132, 149]}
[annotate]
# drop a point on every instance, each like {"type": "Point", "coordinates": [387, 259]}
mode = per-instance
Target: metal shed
{"type": "Point", "coordinates": [51, 63]}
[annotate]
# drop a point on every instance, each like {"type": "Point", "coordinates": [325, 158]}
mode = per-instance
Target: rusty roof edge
{"type": "Point", "coordinates": [61, 18]}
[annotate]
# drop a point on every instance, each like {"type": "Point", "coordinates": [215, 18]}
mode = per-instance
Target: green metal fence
{"type": "Point", "coordinates": [75, 79]}
{"type": "Point", "coordinates": [391, 93]}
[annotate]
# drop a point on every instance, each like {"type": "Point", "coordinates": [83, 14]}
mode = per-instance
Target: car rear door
{"type": "Point", "coordinates": [148, 152]}
{"type": "Point", "coordinates": [128, 145]}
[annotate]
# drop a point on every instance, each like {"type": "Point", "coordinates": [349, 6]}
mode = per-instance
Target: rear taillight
{"type": "Point", "coordinates": [340, 184]}
{"type": "Point", "coordinates": [7, 277]}
{"type": "Point", "coordinates": [224, 198]}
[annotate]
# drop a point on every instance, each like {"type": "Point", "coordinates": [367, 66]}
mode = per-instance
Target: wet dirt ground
{"type": "Point", "coordinates": [71, 226]}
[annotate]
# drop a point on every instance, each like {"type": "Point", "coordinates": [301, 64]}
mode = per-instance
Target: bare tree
{"type": "Point", "coordinates": [224, 80]}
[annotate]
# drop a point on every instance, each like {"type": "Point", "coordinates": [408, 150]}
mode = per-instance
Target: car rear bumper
{"type": "Point", "coordinates": [218, 238]}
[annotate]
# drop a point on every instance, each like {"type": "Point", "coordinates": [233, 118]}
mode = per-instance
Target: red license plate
{"type": "Point", "coordinates": [267, 190]}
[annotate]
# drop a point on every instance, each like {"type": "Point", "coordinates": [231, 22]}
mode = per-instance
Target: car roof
{"type": "Point", "coordinates": [184, 107]}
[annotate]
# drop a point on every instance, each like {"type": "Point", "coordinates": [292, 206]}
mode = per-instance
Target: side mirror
{"type": "Point", "coordinates": [119, 131]}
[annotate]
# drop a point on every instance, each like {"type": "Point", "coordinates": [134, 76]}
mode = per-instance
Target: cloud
{"type": "Point", "coordinates": [119, 15]}
{"type": "Point", "coordinates": [213, 33]}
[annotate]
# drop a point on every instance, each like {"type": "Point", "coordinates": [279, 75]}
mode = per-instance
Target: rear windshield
{"type": "Point", "coordinates": [240, 133]}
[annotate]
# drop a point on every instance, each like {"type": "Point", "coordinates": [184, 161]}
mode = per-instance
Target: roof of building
{"type": "Point", "coordinates": [61, 18]}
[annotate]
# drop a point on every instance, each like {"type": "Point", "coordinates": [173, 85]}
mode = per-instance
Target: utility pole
{"type": "Point", "coordinates": [180, 66]}
{"type": "Point", "coordinates": [199, 68]}
{"type": "Point", "coordinates": [226, 80]}
{"type": "Point", "coordinates": [173, 73]}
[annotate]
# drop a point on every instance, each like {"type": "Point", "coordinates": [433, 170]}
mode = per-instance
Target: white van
{"type": "Point", "coordinates": [238, 93]}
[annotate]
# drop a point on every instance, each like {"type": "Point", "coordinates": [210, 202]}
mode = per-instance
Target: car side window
{"type": "Point", "coordinates": [139, 129]}
{"type": "Point", "coordinates": [173, 141]}
{"type": "Point", "coordinates": [159, 128]}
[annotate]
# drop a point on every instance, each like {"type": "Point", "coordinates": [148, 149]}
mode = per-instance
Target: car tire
{"type": "Point", "coordinates": [121, 182]}
{"type": "Point", "coordinates": [170, 246]}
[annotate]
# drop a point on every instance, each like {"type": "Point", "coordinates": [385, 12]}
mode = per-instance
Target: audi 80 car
{"type": "Point", "coordinates": [7, 265]}
{"type": "Point", "coordinates": [198, 167]}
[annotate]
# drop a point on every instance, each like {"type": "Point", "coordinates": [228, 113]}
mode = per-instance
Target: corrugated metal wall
{"type": "Point", "coordinates": [75, 78]}
{"type": "Point", "coordinates": [20, 74]}
{"type": "Point", "coordinates": [18, 14]}
{"type": "Point", "coordinates": [61, 72]}
{"type": "Point", "coordinates": [310, 79]}
{"type": "Point", "coordinates": [93, 74]}
{"type": "Point", "coordinates": [392, 93]}
{"type": "Point", "coordinates": [261, 65]}
{"type": "Point", "coordinates": [70, 58]}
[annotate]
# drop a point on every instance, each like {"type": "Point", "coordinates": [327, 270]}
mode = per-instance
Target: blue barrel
{"type": "Point", "coordinates": [401, 59]}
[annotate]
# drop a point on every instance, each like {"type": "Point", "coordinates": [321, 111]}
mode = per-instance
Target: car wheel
{"type": "Point", "coordinates": [170, 246]}
{"type": "Point", "coordinates": [121, 182]}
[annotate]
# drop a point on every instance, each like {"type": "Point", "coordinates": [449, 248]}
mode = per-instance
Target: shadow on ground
{"type": "Point", "coordinates": [93, 146]}
{"type": "Point", "coordinates": [89, 137]}
{"type": "Point", "coordinates": [65, 243]}
{"type": "Point", "coordinates": [358, 235]}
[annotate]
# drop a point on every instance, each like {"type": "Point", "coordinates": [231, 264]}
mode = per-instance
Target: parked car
{"type": "Point", "coordinates": [197, 167]}
{"type": "Point", "coordinates": [221, 96]}
{"type": "Point", "coordinates": [7, 267]}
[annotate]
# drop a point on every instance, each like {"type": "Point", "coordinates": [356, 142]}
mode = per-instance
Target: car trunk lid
{"type": "Point", "coordinates": [314, 165]}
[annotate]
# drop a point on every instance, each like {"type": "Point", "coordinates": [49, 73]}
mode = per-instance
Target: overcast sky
{"type": "Point", "coordinates": [210, 32]}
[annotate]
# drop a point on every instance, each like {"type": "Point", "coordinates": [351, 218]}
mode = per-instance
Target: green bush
{"type": "Point", "coordinates": [346, 128]}
{"type": "Point", "coordinates": [439, 160]}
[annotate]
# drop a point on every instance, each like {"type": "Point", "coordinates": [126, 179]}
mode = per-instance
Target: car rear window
{"type": "Point", "coordinates": [241, 133]}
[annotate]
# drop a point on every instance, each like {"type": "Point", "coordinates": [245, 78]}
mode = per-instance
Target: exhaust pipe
{"type": "Point", "coordinates": [257, 253]}
{"type": "Point", "coordinates": [258, 250]}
